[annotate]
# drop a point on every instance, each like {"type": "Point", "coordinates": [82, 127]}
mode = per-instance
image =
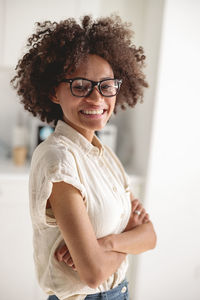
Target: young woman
{"type": "Point", "coordinates": [85, 220]}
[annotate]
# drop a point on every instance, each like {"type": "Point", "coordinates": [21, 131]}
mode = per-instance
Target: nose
{"type": "Point", "coordinates": [95, 95]}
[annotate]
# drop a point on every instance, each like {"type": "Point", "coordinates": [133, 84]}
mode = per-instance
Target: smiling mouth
{"type": "Point", "coordinates": [93, 112]}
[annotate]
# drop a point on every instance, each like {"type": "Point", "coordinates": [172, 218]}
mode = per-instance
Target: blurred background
{"type": "Point", "coordinates": [158, 143]}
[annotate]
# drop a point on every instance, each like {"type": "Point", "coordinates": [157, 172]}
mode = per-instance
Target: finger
{"type": "Point", "coordinates": [60, 257]}
{"type": "Point", "coordinates": [146, 218]}
{"type": "Point", "coordinates": [61, 252]}
{"type": "Point", "coordinates": [66, 257]}
{"type": "Point", "coordinates": [74, 267]}
{"type": "Point", "coordinates": [142, 215]}
{"type": "Point", "coordinates": [138, 209]}
{"type": "Point", "coordinates": [62, 248]}
{"type": "Point", "coordinates": [134, 203]}
{"type": "Point", "coordinates": [70, 262]}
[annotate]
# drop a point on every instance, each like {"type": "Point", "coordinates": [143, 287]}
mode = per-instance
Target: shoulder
{"type": "Point", "coordinates": [52, 153]}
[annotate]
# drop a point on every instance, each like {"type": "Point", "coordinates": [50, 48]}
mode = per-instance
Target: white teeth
{"type": "Point", "coordinates": [93, 112]}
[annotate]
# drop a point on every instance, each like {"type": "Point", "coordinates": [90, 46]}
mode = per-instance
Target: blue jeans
{"type": "Point", "coordinates": [118, 293]}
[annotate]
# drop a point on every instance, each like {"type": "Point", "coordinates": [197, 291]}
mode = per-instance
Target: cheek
{"type": "Point", "coordinates": [112, 104]}
{"type": "Point", "coordinates": [70, 106]}
{"type": "Point", "coordinates": [63, 93]}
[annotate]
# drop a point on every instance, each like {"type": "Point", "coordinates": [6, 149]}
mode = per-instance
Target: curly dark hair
{"type": "Point", "coordinates": [57, 49]}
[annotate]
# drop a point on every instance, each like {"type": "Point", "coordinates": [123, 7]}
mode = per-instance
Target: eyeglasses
{"type": "Point", "coordinates": [81, 87]}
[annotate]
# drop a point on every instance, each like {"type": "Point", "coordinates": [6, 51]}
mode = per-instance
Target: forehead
{"type": "Point", "coordinates": [93, 67]}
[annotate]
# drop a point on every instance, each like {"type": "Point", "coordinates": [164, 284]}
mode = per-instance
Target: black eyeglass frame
{"type": "Point", "coordinates": [94, 83]}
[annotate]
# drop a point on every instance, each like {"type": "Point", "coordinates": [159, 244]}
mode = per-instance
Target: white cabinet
{"type": "Point", "coordinates": [17, 274]}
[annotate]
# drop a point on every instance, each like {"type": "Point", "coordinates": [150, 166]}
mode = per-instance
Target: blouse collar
{"type": "Point", "coordinates": [95, 148]}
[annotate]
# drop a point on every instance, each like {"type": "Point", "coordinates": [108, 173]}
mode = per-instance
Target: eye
{"type": "Point", "coordinates": [78, 85]}
{"type": "Point", "coordinates": [81, 85]}
{"type": "Point", "coordinates": [105, 86]}
{"type": "Point", "coordinates": [109, 84]}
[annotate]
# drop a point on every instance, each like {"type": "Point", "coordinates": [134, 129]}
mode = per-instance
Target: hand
{"type": "Point", "coordinates": [136, 219]}
{"type": "Point", "coordinates": [62, 254]}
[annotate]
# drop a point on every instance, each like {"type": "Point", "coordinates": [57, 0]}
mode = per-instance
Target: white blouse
{"type": "Point", "coordinates": [92, 168]}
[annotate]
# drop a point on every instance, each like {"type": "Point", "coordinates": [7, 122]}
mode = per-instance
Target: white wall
{"type": "Point", "coordinates": [172, 270]}
{"type": "Point", "coordinates": [2, 9]}
{"type": "Point", "coordinates": [21, 15]}
{"type": "Point", "coordinates": [141, 117]}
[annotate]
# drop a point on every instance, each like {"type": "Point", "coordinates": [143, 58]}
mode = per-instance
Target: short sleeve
{"type": "Point", "coordinates": [51, 166]}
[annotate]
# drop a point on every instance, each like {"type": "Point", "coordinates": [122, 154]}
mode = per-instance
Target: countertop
{"type": "Point", "coordinates": [11, 171]}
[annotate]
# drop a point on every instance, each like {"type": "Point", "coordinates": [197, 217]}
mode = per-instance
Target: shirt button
{"type": "Point", "coordinates": [123, 290]}
{"type": "Point", "coordinates": [114, 189]}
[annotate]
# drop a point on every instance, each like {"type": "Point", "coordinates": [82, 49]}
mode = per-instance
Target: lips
{"type": "Point", "coordinates": [93, 112]}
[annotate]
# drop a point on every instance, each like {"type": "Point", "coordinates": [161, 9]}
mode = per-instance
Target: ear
{"type": "Point", "coordinates": [54, 97]}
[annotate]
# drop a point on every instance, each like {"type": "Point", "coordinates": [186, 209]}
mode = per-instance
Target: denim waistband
{"type": "Point", "coordinates": [118, 293]}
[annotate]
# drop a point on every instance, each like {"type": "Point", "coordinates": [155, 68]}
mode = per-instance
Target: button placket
{"type": "Point", "coordinates": [102, 164]}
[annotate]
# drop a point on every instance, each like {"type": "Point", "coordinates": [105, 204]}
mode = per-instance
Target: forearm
{"type": "Point", "coordinates": [111, 261]}
{"type": "Point", "coordinates": [135, 241]}
{"type": "Point", "coordinates": [116, 246]}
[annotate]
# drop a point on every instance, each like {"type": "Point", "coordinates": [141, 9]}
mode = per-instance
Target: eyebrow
{"type": "Point", "coordinates": [102, 78]}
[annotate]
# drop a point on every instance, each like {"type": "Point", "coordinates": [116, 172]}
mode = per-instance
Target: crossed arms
{"type": "Point", "coordinates": [84, 253]}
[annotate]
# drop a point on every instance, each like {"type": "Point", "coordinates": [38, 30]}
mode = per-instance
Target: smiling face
{"type": "Point", "coordinates": [89, 113]}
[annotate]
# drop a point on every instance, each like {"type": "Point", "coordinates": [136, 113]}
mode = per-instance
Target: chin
{"type": "Point", "coordinates": [98, 128]}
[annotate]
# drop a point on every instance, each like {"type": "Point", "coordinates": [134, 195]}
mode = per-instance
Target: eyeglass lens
{"type": "Point", "coordinates": [82, 87]}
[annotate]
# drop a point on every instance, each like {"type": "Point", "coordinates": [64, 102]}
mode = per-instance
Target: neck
{"type": "Point", "coordinates": [88, 134]}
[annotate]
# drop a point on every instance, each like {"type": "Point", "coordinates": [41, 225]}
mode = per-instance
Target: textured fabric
{"type": "Point", "coordinates": [97, 173]}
